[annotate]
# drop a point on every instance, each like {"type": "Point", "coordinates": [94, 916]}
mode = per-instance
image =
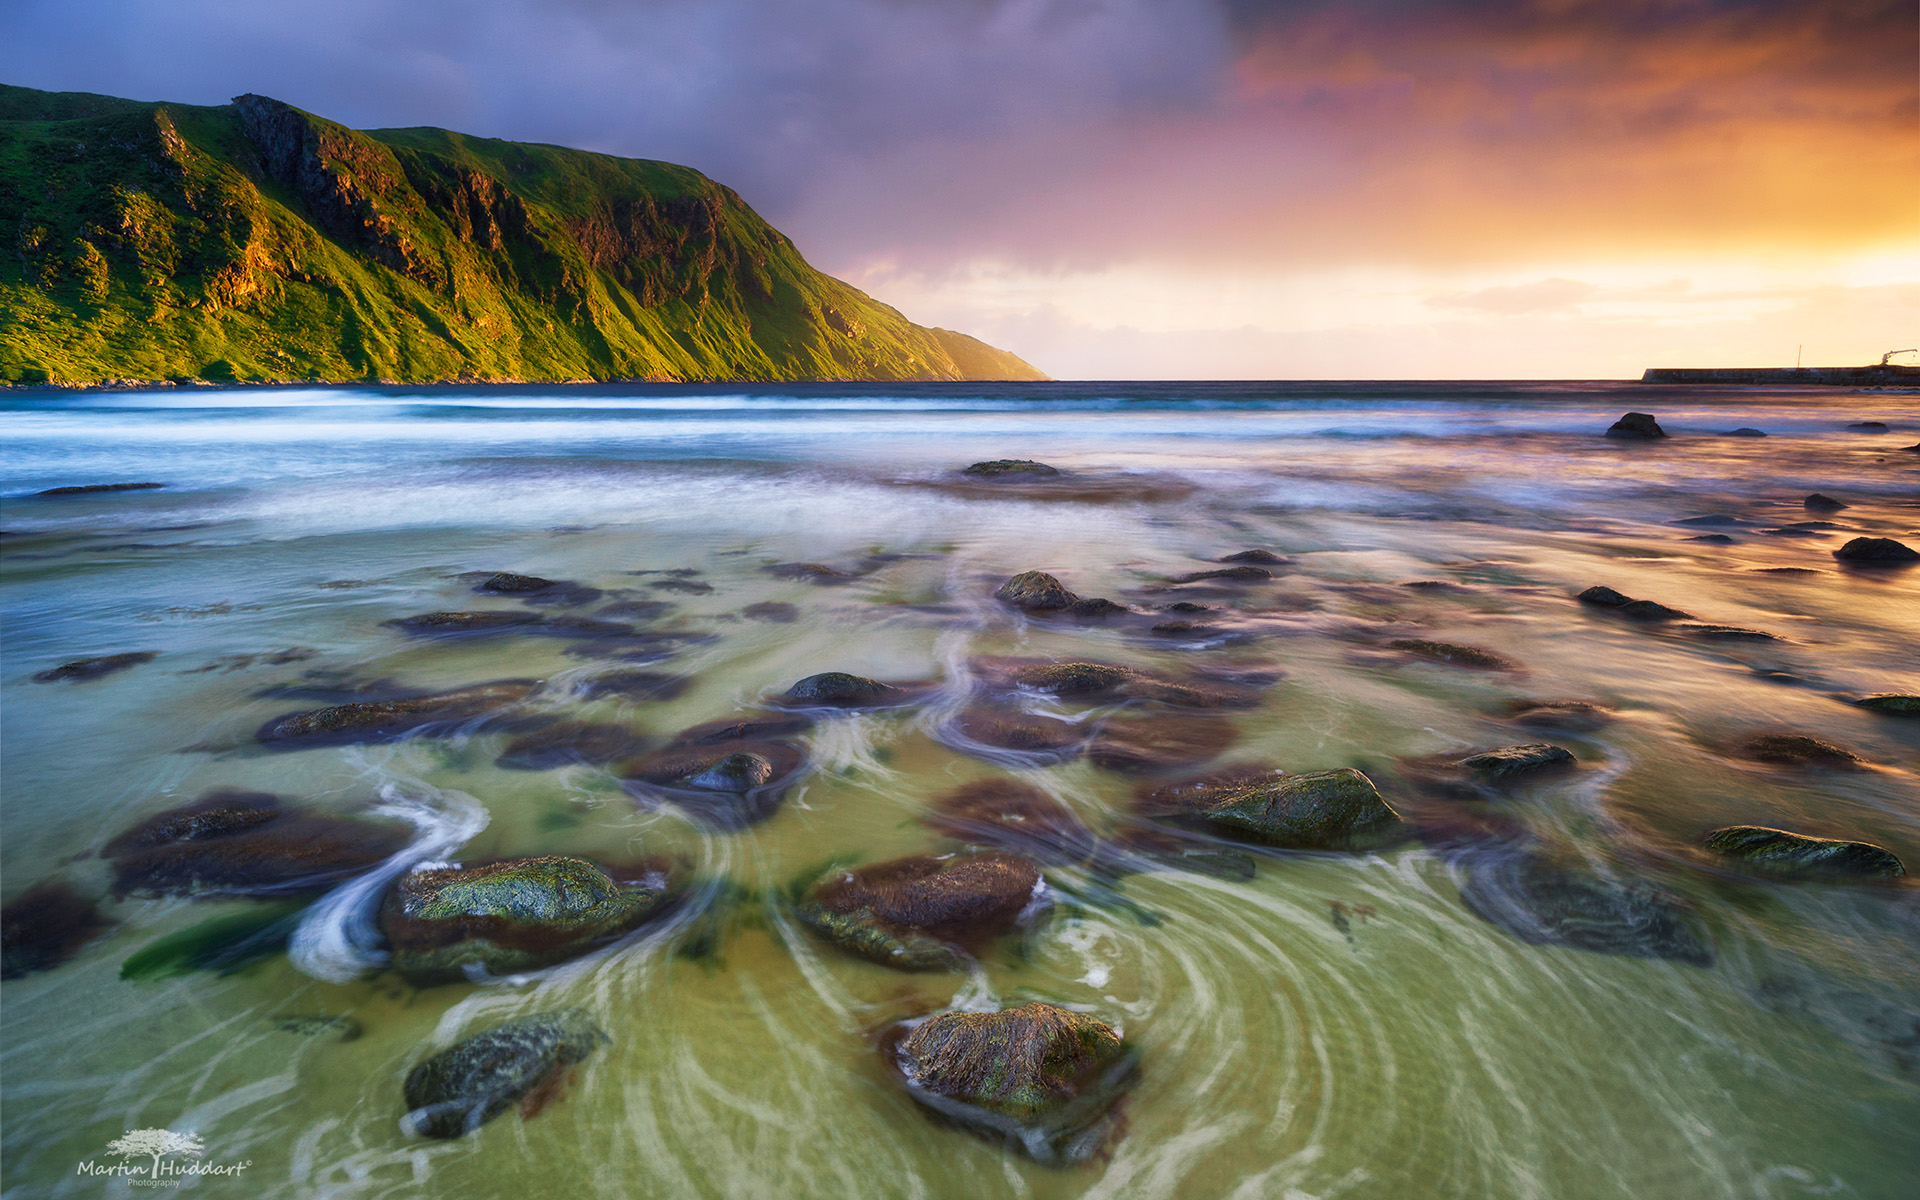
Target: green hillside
{"type": "Point", "coordinates": [255, 241]}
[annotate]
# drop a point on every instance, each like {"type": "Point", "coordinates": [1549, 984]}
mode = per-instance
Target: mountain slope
{"type": "Point", "coordinates": [254, 241]}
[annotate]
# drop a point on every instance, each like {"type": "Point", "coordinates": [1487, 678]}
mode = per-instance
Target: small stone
{"type": "Point", "coordinates": [998, 468]}
{"type": "Point", "coordinates": [1820, 503]}
{"type": "Point", "coordinates": [1264, 557]}
{"type": "Point", "coordinates": [383, 720]}
{"type": "Point", "coordinates": [1072, 679]}
{"type": "Point", "coordinates": [1746, 431]}
{"type": "Point", "coordinates": [1512, 762]}
{"type": "Point", "coordinates": [84, 669]}
{"type": "Point", "coordinates": [1636, 426]}
{"type": "Point", "coordinates": [1096, 606]}
{"type": "Point", "coordinates": [1876, 551]}
{"type": "Point", "coordinates": [1892, 704]}
{"type": "Point", "coordinates": [1559, 714]}
{"type": "Point", "coordinates": [1777, 850]}
{"type": "Point", "coordinates": [1719, 539]}
{"type": "Point", "coordinates": [465, 1086]}
{"type": "Point", "coordinates": [508, 584]}
{"type": "Point", "coordinates": [1796, 749]}
{"type": "Point", "coordinates": [1027, 733]}
{"type": "Point", "coordinates": [1244, 574]}
{"type": "Point", "coordinates": [1472, 657]}
{"type": "Point", "coordinates": [838, 689]}
{"type": "Point", "coordinates": [1869, 427]}
{"type": "Point", "coordinates": [1035, 591]}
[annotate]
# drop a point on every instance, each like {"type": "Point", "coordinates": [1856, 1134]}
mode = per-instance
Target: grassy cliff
{"type": "Point", "coordinates": [255, 241]}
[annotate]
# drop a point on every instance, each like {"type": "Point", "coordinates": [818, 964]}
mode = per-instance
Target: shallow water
{"type": "Point", "coordinates": [1339, 1025]}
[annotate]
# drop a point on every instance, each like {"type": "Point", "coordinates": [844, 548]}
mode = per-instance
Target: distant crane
{"type": "Point", "coordinates": [1889, 354]}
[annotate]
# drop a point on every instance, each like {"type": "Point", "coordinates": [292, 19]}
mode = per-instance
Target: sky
{"type": "Point", "coordinates": [1136, 189]}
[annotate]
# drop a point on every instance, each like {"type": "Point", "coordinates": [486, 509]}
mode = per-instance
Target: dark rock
{"type": "Point", "coordinates": [1245, 574]}
{"type": "Point", "coordinates": [43, 927]}
{"type": "Point", "coordinates": [1869, 427]}
{"type": "Point", "coordinates": [1877, 551]}
{"type": "Point", "coordinates": [638, 610]}
{"type": "Point", "coordinates": [811, 572]}
{"type": "Point", "coordinates": [637, 685]}
{"type": "Point", "coordinates": [1891, 704]}
{"type": "Point", "coordinates": [1181, 628]}
{"type": "Point", "coordinates": [464, 622]}
{"type": "Point", "coordinates": [1746, 431]}
{"type": "Point", "coordinates": [1719, 539]}
{"type": "Point", "coordinates": [1072, 679]}
{"type": "Point", "coordinates": [999, 468]}
{"type": "Point", "coordinates": [1726, 633]}
{"type": "Point", "coordinates": [1510, 763]}
{"type": "Point", "coordinates": [1820, 503]}
{"type": "Point", "coordinates": [82, 669]}
{"type": "Point", "coordinates": [921, 913]}
{"type": "Point", "coordinates": [1626, 606]}
{"type": "Point", "coordinates": [381, 720]}
{"type": "Point", "coordinates": [1318, 810]}
{"type": "Point", "coordinates": [1714, 519]}
{"type": "Point", "coordinates": [1185, 606]}
{"type": "Point", "coordinates": [89, 489]}
{"type": "Point", "coordinates": [690, 587]}
{"type": "Point", "coordinates": [1434, 585]}
{"type": "Point", "coordinates": [1559, 714]}
{"type": "Point", "coordinates": [1798, 750]}
{"type": "Point", "coordinates": [465, 1086]}
{"type": "Point", "coordinates": [1042, 1079]}
{"type": "Point", "coordinates": [1035, 591]}
{"type": "Point", "coordinates": [511, 916]}
{"type": "Point", "coordinates": [1603, 597]}
{"type": "Point", "coordinates": [1158, 743]}
{"type": "Point", "coordinates": [1023, 732]}
{"type": "Point", "coordinates": [1095, 606]}
{"type": "Point", "coordinates": [1779, 852]}
{"type": "Point", "coordinates": [749, 729]}
{"type": "Point", "coordinates": [774, 611]}
{"type": "Point", "coordinates": [569, 742]}
{"type": "Point", "coordinates": [725, 784]}
{"type": "Point", "coordinates": [507, 583]}
{"type": "Point", "coordinates": [245, 844]}
{"type": "Point", "coordinates": [1636, 426]}
{"type": "Point", "coordinates": [1266, 557]}
{"type": "Point", "coordinates": [1455, 655]}
{"type": "Point", "coordinates": [837, 689]}
{"type": "Point", "coordinates": [1546, 904]}
{"type": "Point", "coordinates": [1006, 814]}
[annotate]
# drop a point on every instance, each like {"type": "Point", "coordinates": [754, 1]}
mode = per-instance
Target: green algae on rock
{"type": "Point", "coordinates": [1035, 591]}
{"type": "Point", "coordinates": [223, 944]}
{"type": "Point", "coordinates": [1513, 762]}
{"type": "Point", "coordinates": [519, 914]}
{"type": "Point", "coordinates": [1892, 704]}
{"type": "Point", "coordinates": [473, 1081]}
{"type": "Point", "coordinates": [1317, 810]}
{"type": "Point", "coordinates": [1042, 1078]}
{"type": "Point", "coordinates": [922, 912]}
{"type": "Point", "coordinates": [1781, 852]}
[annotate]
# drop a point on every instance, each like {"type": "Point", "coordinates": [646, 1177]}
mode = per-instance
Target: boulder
{"type": "Point", "coordinates": [475, 1080]}
{"type": "Point", "coordinates": [1041, 1078]}
{"type": "Point", "coordinates": [922, 913]}
{"type": "Point", "coordinates": [82, 669]}
{"type": "Point", "coordinates": [1636, 426]}
{"type": "Point", "coordinates": [1148, 744]}
{"type": "Point", "coordinates": [837, 689]}
{"type": "Point", "coordinates": [447, 924]}
{"type": "Point", "coordinates": [245, 844]}
{"type": "Point", "coordinates": [1006, 814]}
{"type": "Point", "coordinates": [1545, 903]}
{"type": "Point", "coordinates": [1001, 468]}
{"type": "Point", "coordinates": [1318, 810]}
{"type": "Point", "coordinates": [1798, 750]}
{"type": "Point", "coordinates": [1891, 704]}
{"type": "Point", "coordinates": [1035, 591]}
{"type": "Point", "coordinates": [1876, 552]}
{"type": "Point", "coordinates": [1453, 654]}
{"type": "Point", "coordinates": [43, 926]}
{"type": "Point", "coordinates": [1777, 851]}
{"type": "Point", "coordinates": [1820, 503]}
{"type": "Point", "coordinates": [568, 742]}
{"type": "Point", "coordinates": [1509, 764]}
{"type": "Point", "coordinates": [382, 720]}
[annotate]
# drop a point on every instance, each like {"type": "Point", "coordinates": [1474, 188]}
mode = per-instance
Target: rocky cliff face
{"type": "Point", "coordinates": [255, 241]}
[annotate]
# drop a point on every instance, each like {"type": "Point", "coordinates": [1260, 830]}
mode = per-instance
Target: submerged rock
{"type": "Point", "coordinates": [922, 913]}
{"type": "Point", "coordinates": [1473, 657]}
{"type": "Point", "coordinates": [517, 914]}
{"type": "Point", "coordinates": [1799, 750]}
{"type": "Point", "coordinates": [90, 489]}
{"type": "Point", "coordinates": [82, 669]}
{"type": "Point", "coordinates": [1820, 503]}
{"type": "Point", "coordinates": [1726, 633]}
{"type": "Point", "coordinates": [509, 584]}
{"type": "Point", "coordinates": [465, 622]}
{"type": "Point", "coordinates": [470, 1083]}
{"type": "Point", "coordinates": [1559, 714]}
{"type": "Point", "coordinates": [724, 783]}
{"type": "Point", "coordinates": [1158, 743]}
{"type": "Point", "coordinates": [245, 844]}
{"type": "Point", "coordinates": [1023, 732]}
{"type": "Point", "coordinates": [1544, 903]}
{"type": "Point", "coordinates": [1241, 574]}
{"type": "Point", "coordinates": [1781, 852]}
{"type": "Point", "coordinates": [1876, 552]}
{"type": "Point", "coordinates": [1318, 810]}
{"type": "Point", "coordinates": [1000, 468]}
{"type": "Point", "coordinates": [1869, 427]}
{"type": "Point", "coordinates": [1256, 556]}
{"type": "Point", "coordinates": [1718, 539]}
{"type": "Point", "coordinates": [1511, 763]}
{"type": "Point", "coordinates": [1636, 426]}
{"type": "Point", "coordinates": [380, 720]}
{"type": "Point", "coordinates": [1018, 817]}
{"type": "Point", "coordinates": [818, 573]}
{"type": "Point", "coordinates": [1035, 591]}
{"type": "Point", "coordinates": [637, 685]}
{"type": "Point", "coordinates": [1072, 678]}
{"type": "Point", "coordinates": [1626, 606]}
{"type": "Point", "coordinates": [1042, 1078]}
{"type": "Point", "coordinates": [1746, 431]}
{"type": "Point", "coordinates": [568, 742]}
{"type": "Point", "coordinates": [44, 926]}
{"type": "Point", "coordinates": [746, 729]}
{"type": "Point", "coordinates": [1891, 704]}
{"type": "Point", "coordinates": [774, 611]}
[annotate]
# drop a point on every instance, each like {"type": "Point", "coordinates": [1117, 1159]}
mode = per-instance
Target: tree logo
{"type": "Point", "coordinates": [160, 1147]}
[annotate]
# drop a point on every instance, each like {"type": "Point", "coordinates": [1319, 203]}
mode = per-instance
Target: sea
{"type": "Point", "coordinates": [1422, 1019]}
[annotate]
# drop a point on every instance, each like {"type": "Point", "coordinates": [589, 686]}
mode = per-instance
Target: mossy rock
{"type": "Point", "coordinates": [1777, 851]}
{"type": "Point", "coordinates": [1509, 763]}
{"type": "Point", "coordinates": [921, 913]}
{"type": "Point", "coordinates": [1035, 591]}
{"type": "Point", "coordinates": [468, 1084]}
{"type": "Point", "coordinates": [519, 914]}
{"type": "Point", "coordinates": [838, 689]}
{"type": "Point", "coordinates": [1071, 678]}
{"type": "Point", "coordinates": [1316, 810]}
{"type": "Point", "coordinates": [381, 720]}
{"type": "Point", "coordinates": [1001, 468]}
{"type": "Point", "coordinates": [1041, 1077]}
{"type": "Point", "coordinates": [1891, 704]}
